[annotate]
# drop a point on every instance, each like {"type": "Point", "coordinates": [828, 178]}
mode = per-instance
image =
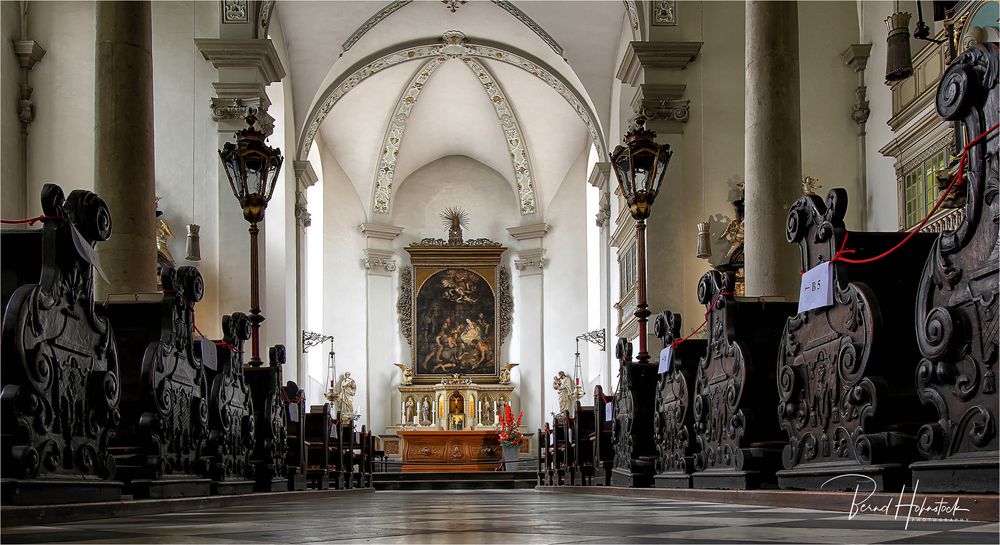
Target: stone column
{"type": "Point", "coordinates": [305, 177]}
{"type": "Point", "coordinates": [123, 145]}
{"type": "Point", "coordinates": [773, 146]}
{"type": "Point", "coordinates": [600, 178]}
{"type": "Point", "coordinates": [14, 203]}
{"type": "Point", "coordinates": [529, 314]}
{"type": "Point", "coordinates": [380, 263]}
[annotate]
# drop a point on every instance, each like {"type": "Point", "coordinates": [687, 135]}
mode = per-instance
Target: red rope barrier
{"type": "Point", "coordinates": [31, 221]}
{"type": "Point", "coordinates": [677, 342]}
{"type": "Point", "coordinates": [956, 180]}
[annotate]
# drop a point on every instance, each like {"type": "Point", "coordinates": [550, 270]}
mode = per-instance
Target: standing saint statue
{"type": "Point", "coordinates": [348, 388]}
{"type": "Point", "coordinates": [425, 412]}
{"type": "Point", "coordinates": [408, 411]}
{"type": "Point", "coordinates": [563, 384]}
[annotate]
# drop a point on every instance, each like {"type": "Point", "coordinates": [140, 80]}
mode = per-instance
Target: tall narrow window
{"type": "Point", "coordinates": [920, 191]}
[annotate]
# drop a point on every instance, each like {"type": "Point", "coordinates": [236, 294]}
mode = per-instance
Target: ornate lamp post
{"type": "Point", "coordinates": [639, 166]}
{"type": "Point", "coordinates": [252, 168]}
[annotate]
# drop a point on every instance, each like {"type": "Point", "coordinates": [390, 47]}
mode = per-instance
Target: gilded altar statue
{"type": "Point", "coordinates": [163, 233]}
{"type": "Point", "coordinates": [505, 373]}
{"type": "Point", "coordinates": [810, 185]}
{"type": "Point", "coordinates": [407, 371]}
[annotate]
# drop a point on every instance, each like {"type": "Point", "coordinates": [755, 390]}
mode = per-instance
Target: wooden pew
{"type": "Point", "coordinates": [548, 453]}
{"type": "Point", "coordinates": [270, 451]}
{"type": "Point", "coordinates": [231, 425]}
{"type": "Point", "coordinates": [541, 447]}
{"type": "Point", "coordinates": [317, 432]}
{"type": "Point", "coordinates": [561, 447]}
{"type": "Point", "coordinates": [632, 434]}
{"type": "Point", "coordinates": [604, 452]}
{"type": "Point", "coordinates": [61, 381]}
{"type": "Point", "coordinates": [345, 445]}
{"type": "Point", "coordinates": [584, 432]}
{"type": "Point", "coordinates": [739, 441]}
{"type": "Point", "coordinates": [845, 372]}
{"type": "Point", "coordinates": [296, 460]}
{"type": "Point", "coordinates": [957, 299]}
{"type": "Point", "coordinates": [673, 425]}
{"type": "Point", "coordinates": [164, 394]}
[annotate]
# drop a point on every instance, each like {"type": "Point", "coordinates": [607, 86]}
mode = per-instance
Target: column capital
{"type": "Point", "coordinates": [663, 103]}
{"type": "Point", "coordinates": [642, 56]}
{"type": "Point", "coordinates": [380, 231]}
{"type": "Point", "coordinates": [28, 53]}
{"type": "Point", "coordinates": [600, 177]}
{"type": "Point", "coordinates": [258, 55]}
{"type": "Point", "coordinates": [379, 262]}
{"type": "Point", "coordinates": [530, 262]}
{"type": "Point", "coordinates": [529, 232]}
{"type": "Point", "coordinates": [856, 56]}
{"type": "Point", "coordinates": [305, 174]}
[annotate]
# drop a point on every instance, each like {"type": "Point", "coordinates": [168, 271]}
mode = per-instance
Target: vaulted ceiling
{"type": "Point", "coordinates": [522, 87]}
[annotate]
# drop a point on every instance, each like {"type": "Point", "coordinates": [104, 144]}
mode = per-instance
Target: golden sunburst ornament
{"type": "Point", "coordinates": [454, 218]}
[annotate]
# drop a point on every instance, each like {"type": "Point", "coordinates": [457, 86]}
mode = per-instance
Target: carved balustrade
{"type": "Point", "coordinates": [59, 403]}
{"type": "Point", "coordinates": [632, 433]}
{"type": "Point", "coordinates": [231, 422]}
{"type": "Point", "coordinates": [159, 448]}
{"type": "Point", "coordinates": [957, 299]}
{"type": "Point", "coordinates": [673, 423]}
{"type": "Point", "coordinates": [739, 441]}
{"type": "Point", "coordinates": [847, 400]}
{"type": "Point", "coordinates": [270, 450]}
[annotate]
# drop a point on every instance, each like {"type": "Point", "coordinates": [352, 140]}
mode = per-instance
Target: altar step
{"type": "Point", "coordinates": [481, 480]}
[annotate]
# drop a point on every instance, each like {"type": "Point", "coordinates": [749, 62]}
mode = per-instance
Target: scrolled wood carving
{"type": "Point", "coordinates": [674, 416]}
{"type": "Point", "coordinates": [231, 418]}
{"type": "Point", "coordinates": [60, 364]}
{"type": "Point", "coordinates": [957, 301]}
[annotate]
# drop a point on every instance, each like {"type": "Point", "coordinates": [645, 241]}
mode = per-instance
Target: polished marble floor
{"type": "Point", "coordinates": [502, 517]}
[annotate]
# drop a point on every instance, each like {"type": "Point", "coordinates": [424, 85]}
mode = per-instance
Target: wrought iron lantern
{"type": "Point", "coordinates": [639, 166]}
{"type": "Point", "coordinates": [252, 168]}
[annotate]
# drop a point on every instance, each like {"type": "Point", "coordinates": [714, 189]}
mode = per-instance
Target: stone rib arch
{"type": "Point", "coordinates": [385, 170]}
{"type": "Point", "coordinates": [512, 134]}
{"type": "Point", "coordinates": [454, 44]}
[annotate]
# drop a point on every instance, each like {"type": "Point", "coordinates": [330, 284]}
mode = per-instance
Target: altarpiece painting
{"type": "Point", "coordinates": [455, 305]}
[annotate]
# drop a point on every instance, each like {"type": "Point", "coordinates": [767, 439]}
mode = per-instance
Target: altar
{"type": "Point", "coordinates": [444, 450]}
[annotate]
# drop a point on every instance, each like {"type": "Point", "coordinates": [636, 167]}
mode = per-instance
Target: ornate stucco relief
{"type": "Point", "coordinates": [512, 133]}
{"type": "Point", "coordinates": [386, 168]}
{"type": "Point", "coordinates": [633, 18]}
{"type": "Point", "coordinates": [664, 12]}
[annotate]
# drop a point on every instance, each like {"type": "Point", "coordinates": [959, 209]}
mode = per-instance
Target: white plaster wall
{"type": "Point", "coordinates": [184, 142]}
{"type": "Point", "coordinates": [12, 190]}
{"type": "Point", "coordinates": [280, 294]}
{"type": "Point", "coordinates": [62, 144]}
{"type": "Point", "coordinates": [830, 148]}
{"type": "Point", "coordinates": [883, 209]}
{"type": "Point", "coordinates": [345, 310]}
{"type": "Point", "coordinates": [565, 284]}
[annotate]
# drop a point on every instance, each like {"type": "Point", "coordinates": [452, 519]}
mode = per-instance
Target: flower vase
{"type": "Point", "coordinates": [510, 457]}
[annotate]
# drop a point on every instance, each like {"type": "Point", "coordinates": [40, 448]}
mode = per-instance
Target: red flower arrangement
{"type": "Point", "coordinates": [510, 436]}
